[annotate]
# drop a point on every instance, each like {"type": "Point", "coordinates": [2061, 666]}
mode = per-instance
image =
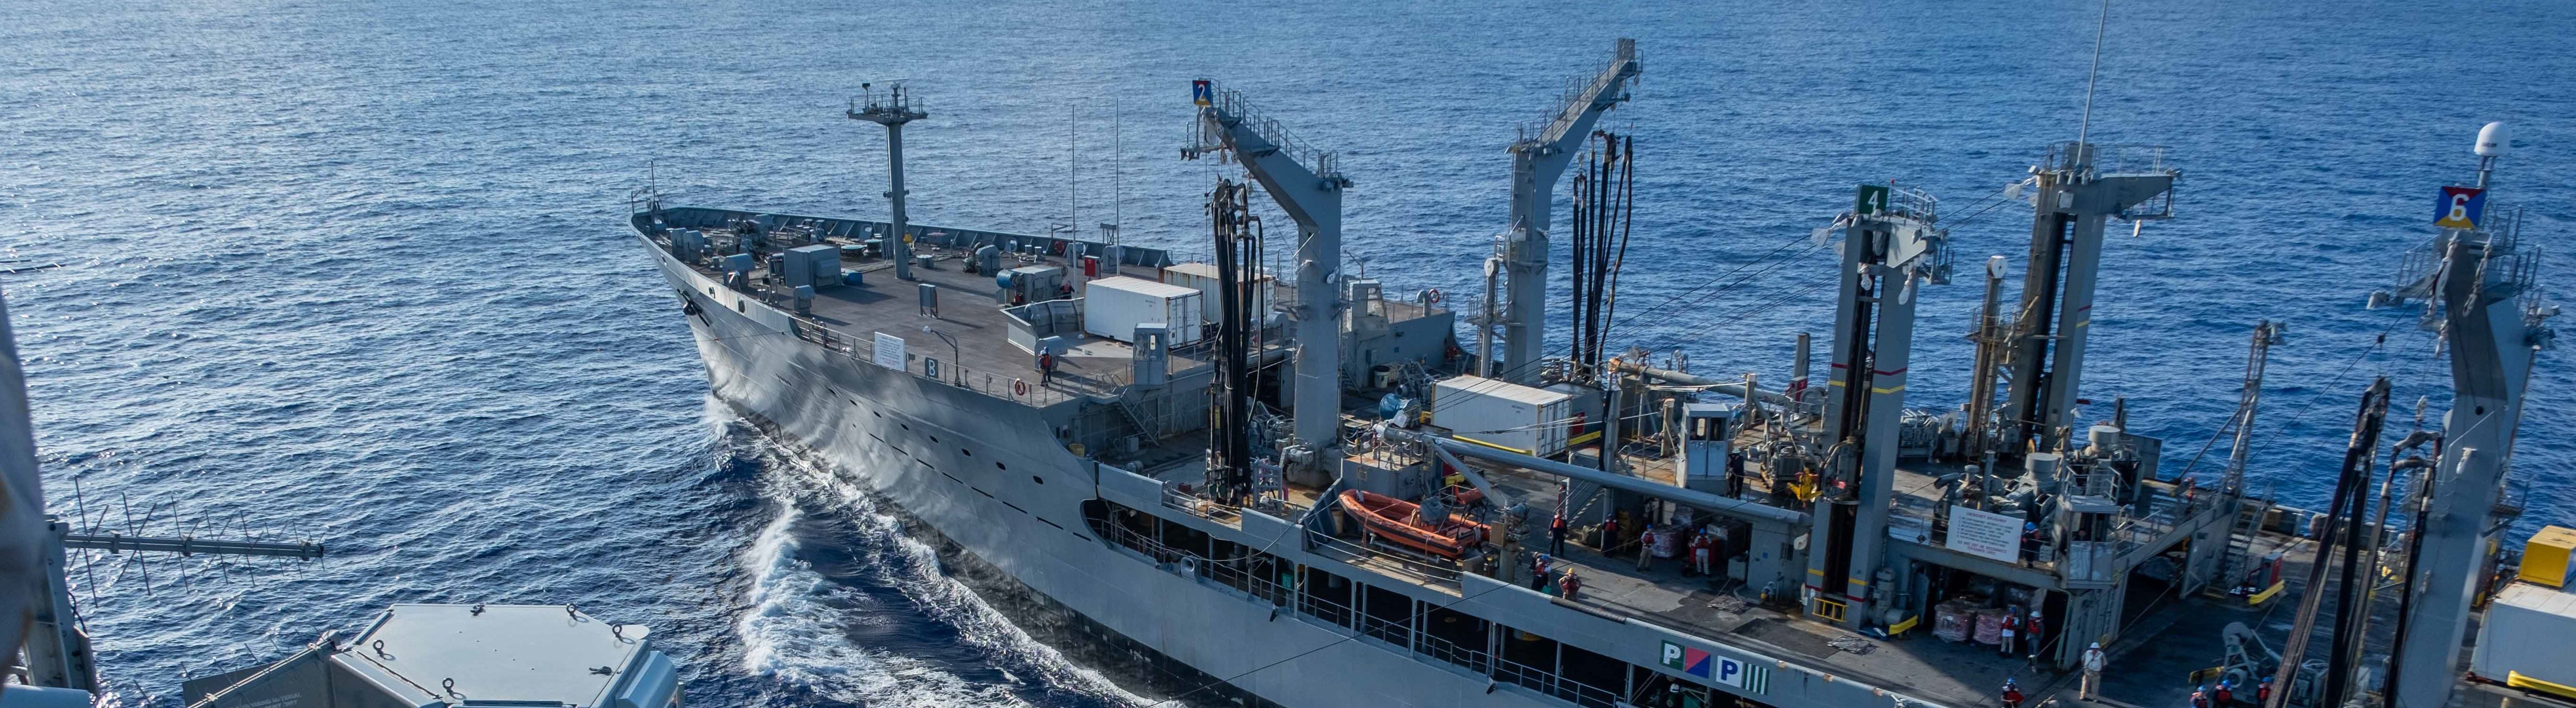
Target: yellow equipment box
{"type": "Point", "coordinates": [2544, 559]}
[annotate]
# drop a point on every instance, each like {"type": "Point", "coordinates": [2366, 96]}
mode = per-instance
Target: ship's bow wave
{"type": "Point", "coordinates": [843, 605]}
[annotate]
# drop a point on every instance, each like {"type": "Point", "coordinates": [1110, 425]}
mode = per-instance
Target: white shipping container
{"type": "Point", "coordinates": [1112, 307]}
{"type": "Point", "coordinates": [2526, 632]}
{"type": "Point", "coordinates": [1505, 415]}
{"type": "Point", "coordinates": [1203, 278]}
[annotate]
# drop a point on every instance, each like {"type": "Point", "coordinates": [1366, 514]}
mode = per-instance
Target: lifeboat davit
{"type": "Point", "coordinates": [1400, 521]}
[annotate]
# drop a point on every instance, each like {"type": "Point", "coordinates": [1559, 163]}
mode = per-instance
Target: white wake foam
{"type": "Point", "coordinates": [796, 628]}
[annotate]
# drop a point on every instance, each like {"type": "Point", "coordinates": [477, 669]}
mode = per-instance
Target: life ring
{"type": "Point", "coordinates": [1434, 295]}
{"type": "Point", "coordinates": [1020, 386]}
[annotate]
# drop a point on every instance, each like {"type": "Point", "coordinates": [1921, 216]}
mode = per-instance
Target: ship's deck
{"type": "Point", "coordinates": [983, 359]}
{"type": "Point", "coordinates": [2166, 640]}
{"type": "Point", "coordinates": [2168, 637]}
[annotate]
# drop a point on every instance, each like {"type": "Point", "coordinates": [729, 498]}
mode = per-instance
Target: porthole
{"type": "Point", "coordinates": [1001, 466]}
{"type": "Point", "coordinates": [934, 439]}
{"type": "Point", "coordinates": [969, 453]}
{"type": "Point", "coordinates": [907, 427]}
{"type": "Point", "coordinates": [1037, 479]}
{"type": "Point", "coordinates": [873, 413]}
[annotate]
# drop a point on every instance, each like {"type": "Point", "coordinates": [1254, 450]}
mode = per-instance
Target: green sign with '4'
{"type": "Point", "coordinates": [1872, 199]}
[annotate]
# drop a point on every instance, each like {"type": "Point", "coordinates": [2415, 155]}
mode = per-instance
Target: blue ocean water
{"type": "Point", "coordinates": [357, 272]}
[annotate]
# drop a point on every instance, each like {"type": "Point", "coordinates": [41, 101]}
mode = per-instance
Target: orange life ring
{"type": "Point", "coordinates": [1435, 296]}
{"type": "Point", "coordinates": [1020, 386]}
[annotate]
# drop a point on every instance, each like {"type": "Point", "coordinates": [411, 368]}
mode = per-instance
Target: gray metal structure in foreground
{"type": "Point", "coordinates": [1537, 161]}
{"type": "Point", "coordinates": [59, 654]}
{"type": "Point", "coordinates": [898, 108]}
{"type": "Point", "coordinates": [2475, 297]}
{"type": "Point", "coordinates": [35, 583]}
{"type": "Point", "coordinates": [1308, 185]}
{"type": "Point", "coordinates": [442, 655]}
{"type": "Point", "coordinates": [25, 604]}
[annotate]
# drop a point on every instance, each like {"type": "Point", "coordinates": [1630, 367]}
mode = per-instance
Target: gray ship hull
{"type": "Point", "coordinates": [988, 474]}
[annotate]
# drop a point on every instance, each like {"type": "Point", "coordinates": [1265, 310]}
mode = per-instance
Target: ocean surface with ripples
{"type": "Point", "coordinates": [358, 271]}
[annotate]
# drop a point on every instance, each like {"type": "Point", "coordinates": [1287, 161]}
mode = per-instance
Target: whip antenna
{"type": "Point", "coordinates": [2095, 76]}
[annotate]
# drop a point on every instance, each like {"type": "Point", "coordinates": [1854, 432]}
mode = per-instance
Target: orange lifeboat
{"type": "Point", "coordinates": [1400, 521]}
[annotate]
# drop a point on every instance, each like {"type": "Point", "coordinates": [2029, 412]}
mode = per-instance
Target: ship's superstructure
{"type": "Point", "coordinates": [1307, 490]}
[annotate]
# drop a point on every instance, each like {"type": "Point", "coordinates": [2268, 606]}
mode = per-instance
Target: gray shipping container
{"type": "Point", "coordinates": [2527, 631]}
{"type": "Point", "coordinates": [1504, 415]}
{"type": "Point", "coordinates": [1203, 278]}
{"type": "Point", "coordinates": [1112, 307]}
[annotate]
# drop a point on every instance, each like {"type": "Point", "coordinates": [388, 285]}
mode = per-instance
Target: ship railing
{"type": "Point", "coordinates": [1245, 574]}
{"type": "Point", "coordinates": [1404, 566]}
{"type": "Point", "coordinates": [1197, 504]}
{"type": "Point", "coordinates": [1121, 535]}
{"type": "Point", "coordinates": [1232, 103]}
{"type": "Point", "coordinates": [2106, 159]}
{"type": "Point", "coordinates": [1385, 630]}
{"type": "Point", "coordinates": [952, 373]}
{"type": "Point", "coordinates": [1550, 683]}
{"type": "Point", "coordinates": [1326, 610]}
{"type": "Point", "coordinates": [1399, 634]}
{"type": "Point", "coordinates": [1569, 104]}
{"type": "Point", "coordinates": [2513, 498]}
{"type": "Point", "coordinates": [2094, 484]}
{"type": "Point", "coordinates": [1438, 649]}
{"type": "Point", "coordinates": [1249, 577]}
{"type": "Point", "coordinates": [2167, 512]}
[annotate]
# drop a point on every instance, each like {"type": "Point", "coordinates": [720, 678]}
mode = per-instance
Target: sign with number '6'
{"type": "Point", "coordinates": [2460, 207]}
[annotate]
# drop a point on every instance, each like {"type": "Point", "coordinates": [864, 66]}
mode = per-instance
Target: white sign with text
{"type": "Point", "coordinates": [1984, 534]}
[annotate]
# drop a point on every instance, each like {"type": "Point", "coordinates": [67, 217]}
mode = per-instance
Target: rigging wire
{"type": "Point", "coordinates": [2378, 343]}
{"type": "Point", "coordinates": [1518, 367]}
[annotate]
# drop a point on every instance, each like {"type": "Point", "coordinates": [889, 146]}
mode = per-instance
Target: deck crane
{"type": "Point", "coordinates": [1890, 246]}
{"type": "Point", "coordinates": [2072, 193]}
{"type": "Point", "coordinates": [1537, 160]}
{"type": "Point", "coordinates": [1306, 183]}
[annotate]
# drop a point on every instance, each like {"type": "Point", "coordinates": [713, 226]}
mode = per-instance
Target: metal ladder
{"type": "Point", "coordinates": [1136, 416]}
{"type": "Point", "coordinates": [2240, 545]}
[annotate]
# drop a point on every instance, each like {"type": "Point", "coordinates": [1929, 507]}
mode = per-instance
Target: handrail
{"type": "Point", "coordinates": [1554, 684]}
{"type": "Point", "coordinates": [1353, 621]}
{"type": "Point", "coordinates": [1415, 568]}
{"type": "Point", "coordinates": [864, 351]}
